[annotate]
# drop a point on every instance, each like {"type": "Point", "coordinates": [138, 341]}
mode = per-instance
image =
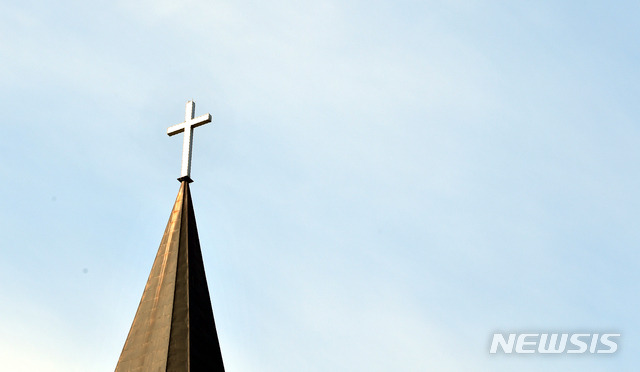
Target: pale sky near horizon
{"type": "Point", "coordinates": [384, 184]}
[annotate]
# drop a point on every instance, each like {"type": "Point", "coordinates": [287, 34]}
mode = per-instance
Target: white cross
{"type": "Point", "coordinates": [187, 127]}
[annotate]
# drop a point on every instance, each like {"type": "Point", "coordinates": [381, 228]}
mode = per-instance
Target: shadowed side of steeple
{"type": "Point", "coordinates": [174, 329]}
{"type": "Point", "coordinates": [203, 336]}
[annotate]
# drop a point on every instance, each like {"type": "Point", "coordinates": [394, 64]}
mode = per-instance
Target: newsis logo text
{"type": "Point", "coordinates": [554, 343]}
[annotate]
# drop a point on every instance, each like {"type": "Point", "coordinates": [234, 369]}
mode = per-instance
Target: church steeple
{"type": "Point", "coordinates": [174, 329]}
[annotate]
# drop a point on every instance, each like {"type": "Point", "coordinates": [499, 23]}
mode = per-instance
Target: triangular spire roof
{"type": "Point", "coordinates": [174, 329]}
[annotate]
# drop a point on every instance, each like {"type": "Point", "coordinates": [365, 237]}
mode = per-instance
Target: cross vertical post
{"type": "Point", "coordinates": [187, 144]}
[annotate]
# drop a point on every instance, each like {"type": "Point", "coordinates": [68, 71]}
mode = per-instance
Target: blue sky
{"type": "Point", "coordinates": [384, 184]}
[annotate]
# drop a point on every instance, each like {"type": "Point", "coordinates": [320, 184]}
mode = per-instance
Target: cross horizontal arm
{"type": "Point", "coordinates": [175, 129]}
{"type": "Point", "coordinates": [200, 120]}
{"type": "Point", "coordinates": [192, 123]}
